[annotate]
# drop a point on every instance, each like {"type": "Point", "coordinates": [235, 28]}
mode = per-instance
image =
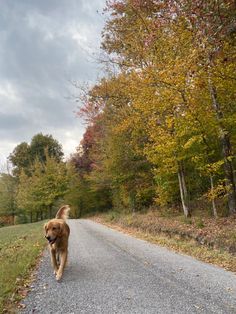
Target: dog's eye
{"type": "Point", "coordinates": [54, 228]}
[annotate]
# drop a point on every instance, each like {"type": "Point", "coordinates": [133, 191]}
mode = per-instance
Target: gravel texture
{"type": "Point", "coordinates": [110, 272]}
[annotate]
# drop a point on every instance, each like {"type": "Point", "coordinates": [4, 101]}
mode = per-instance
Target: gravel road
{"type": "Point", "coordinates": [110, 272]}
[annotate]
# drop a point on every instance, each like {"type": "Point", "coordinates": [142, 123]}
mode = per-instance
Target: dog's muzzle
{"type": "Point", "coordinates": [50, 241]}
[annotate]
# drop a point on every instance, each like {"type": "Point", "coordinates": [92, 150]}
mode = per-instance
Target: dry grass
{"type": "Point", "coordinates": [207, 239]}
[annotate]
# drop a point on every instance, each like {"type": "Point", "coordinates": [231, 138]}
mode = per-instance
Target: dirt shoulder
{"type": "Point", "coordinates": [208, 239]}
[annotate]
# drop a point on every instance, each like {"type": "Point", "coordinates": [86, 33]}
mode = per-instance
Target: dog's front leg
{"type": "Point", "coordinates": [54, 260]}
{"type": "Point", "coordinates": [63, 259]}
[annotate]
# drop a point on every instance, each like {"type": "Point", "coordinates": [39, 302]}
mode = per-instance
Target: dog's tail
{"type": "Point", "coordinates": [63, 212]}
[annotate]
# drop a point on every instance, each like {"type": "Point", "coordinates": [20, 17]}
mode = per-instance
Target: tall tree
{"type": "Point", "coordinates": [47, 184]}
{"type": "Point", "coordinates": [177, 43]}
{"type": "Point", "coordinates": [24, 155]}
{"type": "Point", "coordinates": [20, 158]}
{"type": "Point", "coordinates": [41, 145]}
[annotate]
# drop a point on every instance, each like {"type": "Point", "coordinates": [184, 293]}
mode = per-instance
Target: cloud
{"type": "Point", "coordinates": [43, 45]}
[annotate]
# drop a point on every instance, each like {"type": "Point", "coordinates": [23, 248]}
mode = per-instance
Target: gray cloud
{"type": "Point", "coordinates": [43, 45]}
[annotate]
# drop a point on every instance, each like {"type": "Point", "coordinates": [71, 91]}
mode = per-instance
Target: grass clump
{"type": "Point", "coordinates": [112, 216]}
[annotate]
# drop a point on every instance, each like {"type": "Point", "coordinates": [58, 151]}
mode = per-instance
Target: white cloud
{"type": "Point", "coordinates": [10, 98]}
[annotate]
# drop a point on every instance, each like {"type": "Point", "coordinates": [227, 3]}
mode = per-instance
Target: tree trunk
{"type": "Point", "coordinates": [229, 173]}
{"type": "Point", "coordinates": [13, 218]}
{"type": "Point", "coordinates": [31, 217]}
{"type": "Point", "coordinates": [183, 191]}
{"type": "Point", "coordinates": [79, 209]}
{"type": "Point", "coordinates": [226, 151]}
{"type": "Point", "coordinates": [213, 198]}
{"type": "Point", "coordinates": [133, 202]}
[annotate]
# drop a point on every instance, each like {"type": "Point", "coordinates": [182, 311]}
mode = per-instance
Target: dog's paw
{"type": "Point", "coordinates": [58, 276]}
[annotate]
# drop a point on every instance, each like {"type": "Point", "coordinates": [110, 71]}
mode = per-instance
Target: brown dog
{"type": "Point", "coordinates": [57, 233]}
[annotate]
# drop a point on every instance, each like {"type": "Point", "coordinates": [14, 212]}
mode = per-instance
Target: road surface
{"type": "Point", "coordinates": [110, 272]}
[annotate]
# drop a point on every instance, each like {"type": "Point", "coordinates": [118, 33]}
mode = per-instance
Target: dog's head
{"type": "Point", "coordinates": [53, 231]}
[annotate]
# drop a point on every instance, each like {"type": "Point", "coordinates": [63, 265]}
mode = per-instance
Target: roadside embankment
{"type": "Point", "coordinates": [208, 239]}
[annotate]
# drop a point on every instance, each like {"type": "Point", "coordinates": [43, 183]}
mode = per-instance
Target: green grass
{"type": "Point", "coordinates": [20, 246]}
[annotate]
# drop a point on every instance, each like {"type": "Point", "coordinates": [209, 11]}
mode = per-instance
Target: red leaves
{"type": "Point", "coordinates": [83, 159]}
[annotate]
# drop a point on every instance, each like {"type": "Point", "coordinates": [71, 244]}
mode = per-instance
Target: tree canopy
{"type": "Point", "coordinates": [162, 125]}
{"type": "Point", "coordinates": [24, 154]}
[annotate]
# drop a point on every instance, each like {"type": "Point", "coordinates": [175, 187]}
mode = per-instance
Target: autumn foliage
{"type": "Point", "coordinates": [161, 123]}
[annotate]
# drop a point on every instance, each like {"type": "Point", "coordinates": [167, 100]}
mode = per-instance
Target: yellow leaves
{"type": "Point", "coordinates": [122, 126]}
{"type": "Point", "coordinates": [193, 140]}
{"type": "Point", "coordinates": [169, 122]}
{"type": "Point", "coordinates": [214, 167]}
{"type": "Point", "coordinates": [219, 191]}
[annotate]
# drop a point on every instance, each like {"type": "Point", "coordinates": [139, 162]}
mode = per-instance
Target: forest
{"type": "Point", "coordinates": [160, 124]}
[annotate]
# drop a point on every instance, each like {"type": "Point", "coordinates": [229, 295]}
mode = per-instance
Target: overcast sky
{"type": "Point", "coordinates": [43, 45]}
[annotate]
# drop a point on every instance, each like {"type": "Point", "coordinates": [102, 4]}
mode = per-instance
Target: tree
{"type": "Point", "coordinates": [20, 158]}
{"type": "Point", "coordinates": [88, 197]}
{"type": "Point", "coordinates": [176, 44]}
{"type": "Point", "coordinates": [38, 193]}
{"type": "Point", "coordinates": [215, 38]}
{"type": "Point", "coordinates": [25, 195]}
{"type": "Point", "coordinates": [41, 145]}
{"type": "Point", "coordinates": [166, 117]}
{"type": "Point", "coordinates": [54, 183]}
{"type": "Point", "coordinates": [8, 188]}
{"type": "Point", "coordinates": [24, 155]}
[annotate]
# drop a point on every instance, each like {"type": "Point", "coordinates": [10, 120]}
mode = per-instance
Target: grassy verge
{"type": "Point", "coordinates": [20, 246]}
{"type": "Point", "coordinates": [206, 239]}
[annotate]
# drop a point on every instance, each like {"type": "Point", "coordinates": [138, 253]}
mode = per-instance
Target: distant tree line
{"type": "Point", "coordinates": [37, 182]}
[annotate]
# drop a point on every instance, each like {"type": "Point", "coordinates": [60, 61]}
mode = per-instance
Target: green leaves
{"type": "Point", "coordinates": [47, 183]}
{"type": "Point", "coordinates": [8, 189]}
{"type": "Point", "coordinates": [24, 155]}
